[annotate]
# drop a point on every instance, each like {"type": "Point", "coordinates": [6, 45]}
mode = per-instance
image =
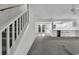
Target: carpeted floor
{"type": "Point", "coordinates": [54, 46]}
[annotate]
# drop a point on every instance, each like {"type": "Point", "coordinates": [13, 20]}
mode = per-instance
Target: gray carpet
{"type": "Point", "coordinates": [54, 46]}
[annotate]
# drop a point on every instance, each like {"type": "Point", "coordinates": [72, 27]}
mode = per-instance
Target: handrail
{"type": "Point", "coordinates": [10, 7]}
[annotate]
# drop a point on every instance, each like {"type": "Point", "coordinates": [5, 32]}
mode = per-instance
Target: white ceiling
{"type": "Point", "coordinates": [50, 10]}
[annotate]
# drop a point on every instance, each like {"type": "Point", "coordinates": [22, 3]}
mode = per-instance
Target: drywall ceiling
{"type": "Point", "coordinates": [50, 10]}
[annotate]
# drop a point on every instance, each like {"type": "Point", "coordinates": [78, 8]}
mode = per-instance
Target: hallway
{"type": "Point", "coordinates": [54, 46]}
{"type": "Point", "coordinates": [54, 30]}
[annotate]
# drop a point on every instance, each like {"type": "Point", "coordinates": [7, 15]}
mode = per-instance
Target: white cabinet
{"type": "Point", "coordinates": [68, 33]}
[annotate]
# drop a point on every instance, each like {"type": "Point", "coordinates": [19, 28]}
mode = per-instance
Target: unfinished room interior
{"type": "Point", "coordinates": [39, 29]}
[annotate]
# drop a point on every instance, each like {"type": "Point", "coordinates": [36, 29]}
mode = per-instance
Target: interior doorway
{"type": "Point", "coordinates": [58, 33]}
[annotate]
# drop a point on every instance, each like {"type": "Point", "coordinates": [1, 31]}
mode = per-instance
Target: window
{"type": "Point", "coordinates": [39, 28]}
{"type": "Point", "coordinates": [18, 26]}
{"type": "Point", "coordinates": [54, 26]}
{"type": "Point", "coordinates": [4, 42]}
{"type": "Point", "coordinates": [43, 28]}
{"type": "Point", "coordinates": [15, 31]}
{"type": "Point", "coordinates": [10, 35]}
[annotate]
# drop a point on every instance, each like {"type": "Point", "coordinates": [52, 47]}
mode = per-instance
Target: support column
{"type": "Point", "coordinates": [17, 27]}
{"type": "Point", "coordinates": [23, 20]}
{"type": "Point", "coordinates": [13, 41]}
{"type": "Point", "coordinates": [8, 41]}
{"type": "Point", "coordinates": [20, 25]}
